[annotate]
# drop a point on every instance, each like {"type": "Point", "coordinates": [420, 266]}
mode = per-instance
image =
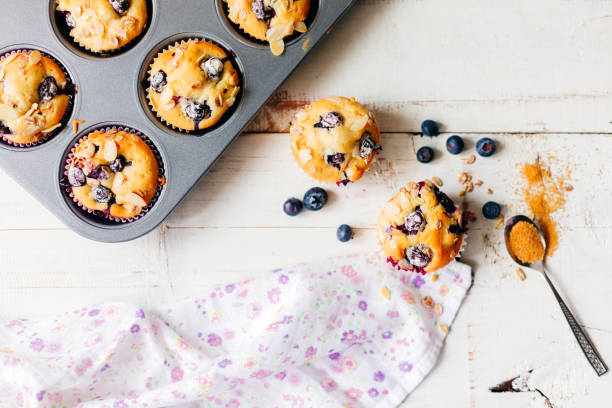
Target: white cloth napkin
{"type": "Point", "coordinates": [348, 331]}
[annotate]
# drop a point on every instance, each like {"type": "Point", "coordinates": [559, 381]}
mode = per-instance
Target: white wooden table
{"type": "Point", "coordinates": [534, 75]}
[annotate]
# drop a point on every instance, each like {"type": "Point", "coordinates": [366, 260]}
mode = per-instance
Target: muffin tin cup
{"type": "Point", "coordinates": [99, 216]}
{"type": "Point", "coordinates": [169, 44]}
{"type": "Point", "coordinates": [63, 33]}
{"type": "Point", "coordinates": [246, 38]}
{"type": "Point", "coordinates": [111, 93]}
{"type": "Point", "coordinates": [69, 108]}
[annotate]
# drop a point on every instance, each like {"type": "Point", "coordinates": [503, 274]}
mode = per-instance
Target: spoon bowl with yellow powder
{"type": "Point", "coordinates": [527, 247]}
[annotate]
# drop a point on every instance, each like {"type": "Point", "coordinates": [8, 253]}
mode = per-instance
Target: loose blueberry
{"type": "Point", "coordinates": [76, 177]}
{"type": "Point", "coordinates": [367, 145]}
{"type": "Point", "coordinates": [485, 147]}
{"type": "Point", "coordinates": [445, 201]}
{"type": "Point", "coordinates": [99, 173]}
{"type": "Point", "coordinates": [315, 199]}
{"type": "Point", "coordinates": [69, 19]}
{"type": "Point", "coordinates": [213, 68]}
{"type": "Point", "coordinates": [430, 128]}
{"type": "Point", "coordinates": [261, 11]}
{"type": "Point", "coordinates": [344, 233]}
{"type": "Point", "coordinates": [158, 81]}
{"type": "Point", "coordinates": [329, 121]}
{"type": "Point", "coordinates": [292, 207]}
{"type": "Point", "coordinates": [335, 160]}
{"type": "Point", "coordinates": [47, 89]}
{"type": "Point", "coordinates": [102, 194]}
{"type": "Point", "coordinates": [418, 256]}
{"type": "Point", "coordinates": [118, 164]}
{"type": "Point", "coordinates": [197, 111]}
{"type": "Point", "coordinates": [120, 6]}
{"type": "Point", "coordinates": [454, 144]}
{"type": "Point", "coordinates": [425, 154]}
{"type": "Point", "coordinates": [491, 210]}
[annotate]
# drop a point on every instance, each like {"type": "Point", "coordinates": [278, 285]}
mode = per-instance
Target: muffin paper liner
{"type": "Point", "coordinates": [69, 108]}
{"type": "Point", "coordinates": [223, 118]}
{"type": "Point", "coordinates": [65, 32]}
{"type": "Point", "coordinates": [103, 214]}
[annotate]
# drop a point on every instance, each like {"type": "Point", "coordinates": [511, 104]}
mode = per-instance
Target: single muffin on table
{"type": "Point", "coordinates": [420, 229]}
{"type": "Point", "coordinates": [335, 139]}
{"type": "Point", "coordinates": [33, 97]}
{"type": "Point", "coordinates": [104, 25]}
{"type": "Point", "coordinates": [192, 85]}
{"type": "Point", "coordinates": [114, 172]}
{"type": "Point", "coordinates": [270, 20]}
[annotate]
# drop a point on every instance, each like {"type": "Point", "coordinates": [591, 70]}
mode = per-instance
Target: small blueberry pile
{"type": "Point", "coordinates": [485, 147]}
{"type": "Point", "coordinates": [314, 200]}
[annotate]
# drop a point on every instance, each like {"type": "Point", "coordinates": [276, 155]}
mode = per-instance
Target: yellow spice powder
{"type": "Point", "coordinates": [525, 242]}
{"type": "Point", "coordinates": [544, 195]}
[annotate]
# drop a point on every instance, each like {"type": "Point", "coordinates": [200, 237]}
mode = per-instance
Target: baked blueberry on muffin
{"type": "Point", "coordinates": [113, 172]}
{"type": "Point", "coordinates": [33, 97]}
{"type": "Point", "coordinates": [420, 229]}
{"type": "Point", "coordinates": [104, 25]}
{"type": "Point", "coordinates": [192, 85]}
{"type": "Point", "coordinates": [335, 139]}
{"type": "Point", "coordinates": [270, 20]}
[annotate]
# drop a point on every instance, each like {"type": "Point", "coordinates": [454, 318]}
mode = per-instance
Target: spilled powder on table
{"type": "Point", "coordinates": [544, 193]}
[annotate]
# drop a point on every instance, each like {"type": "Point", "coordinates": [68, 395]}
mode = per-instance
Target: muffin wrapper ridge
{"type": "Point", "coordinates": [104, 215]}
{"type": "Point", "coordinates": [69, 108]}
{"type": "Point", "coordinates": [196, 132]}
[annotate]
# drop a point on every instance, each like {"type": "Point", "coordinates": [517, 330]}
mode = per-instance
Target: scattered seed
{"type": "Point", "coordinates": [306, 44]}
{"type": "Point", "coordinates": [463, 178]}
{"type": "Point", "coordinates": [568, 187]}
{"type": "Point", "coordinates": [438, 309]}
{"type": "Point", "coordinates": [521, 274]}
{"type": "Point", "coordinates": [75, 125]}
{"type": "Point", "coordinates": [427, 301]}
{"type": "Point", "coordinates": [444, 328]}
{"type": "Point", "coordinates": [470, 159]}
{"type": "Point", "coordinates": [462, 193]}
{"type": "Point", "coordinates": [499, 224]}
{"type": "Point", "coordinates": [437, 181]}
{"type": "Point", "coordinates": [470, 216]}
{"type": "Point", "coordinates": [434, 277]}
{"type": "Point", "coordinates": [489, 191]}
{"type": "Point", "coordinates": [478, 183]}
{"type": "Point", "coordinates": [469, 187]}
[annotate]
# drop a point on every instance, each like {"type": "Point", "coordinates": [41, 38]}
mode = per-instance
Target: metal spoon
{"type": "Point", "coordinates": [587, 347]}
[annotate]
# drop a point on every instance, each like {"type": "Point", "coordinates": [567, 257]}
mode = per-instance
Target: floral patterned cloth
{"type": "Point", "coordinates": [344, 332]}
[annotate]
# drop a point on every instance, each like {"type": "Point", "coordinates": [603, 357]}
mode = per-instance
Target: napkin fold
{"type": "Point", "coordinates": [348, 331]}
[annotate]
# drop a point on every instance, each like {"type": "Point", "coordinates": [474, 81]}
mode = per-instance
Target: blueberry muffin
{"type": "Point", "coordinates": [114, 172]}
{"type": "Point", "coordinates": [104, 25]}
{"type": "Point", "coordinates": [335, 139]}
{"type": "Point", "coordinates": [33, 97]}
{"type": "Point", "coordinates": [192, 85]}
{"type": "Point", "coordinates": [420, 229]}
{"type": "Point", "coordinates": [270, 20]}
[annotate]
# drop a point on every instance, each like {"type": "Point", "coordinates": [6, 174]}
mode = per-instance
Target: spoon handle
{"type": "Point", "coordinates": [587, 347]}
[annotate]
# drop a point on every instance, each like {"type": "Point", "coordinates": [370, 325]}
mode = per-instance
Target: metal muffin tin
{"type": "Point", "coordinates": [110, 92]}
